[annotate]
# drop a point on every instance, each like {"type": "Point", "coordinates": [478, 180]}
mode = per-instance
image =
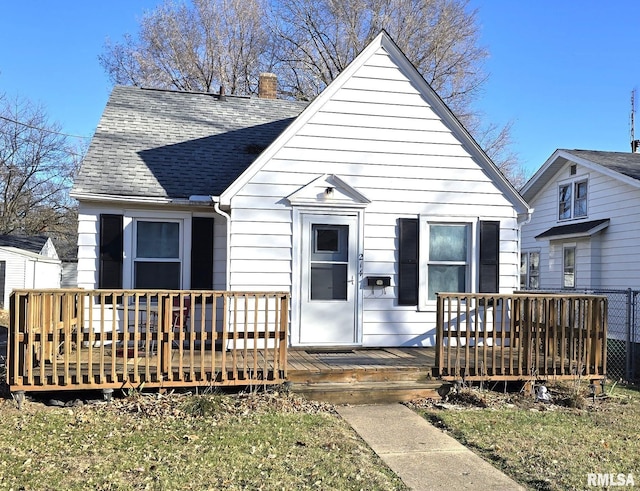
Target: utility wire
{"type": "Point", "coordinates": [43, 129]}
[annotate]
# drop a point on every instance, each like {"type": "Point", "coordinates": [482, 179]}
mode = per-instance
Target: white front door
{"type": "Point", "coordinates": [329, 280]}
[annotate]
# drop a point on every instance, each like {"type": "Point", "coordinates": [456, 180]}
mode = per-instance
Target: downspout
{"type": "Point", "coordinates": [523, 219]}
{"type": "Point", "coordinates": [227, 217]}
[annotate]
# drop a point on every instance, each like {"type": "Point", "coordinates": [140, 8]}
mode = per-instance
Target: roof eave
{"type": "Point", "coordinates": [146, 200]}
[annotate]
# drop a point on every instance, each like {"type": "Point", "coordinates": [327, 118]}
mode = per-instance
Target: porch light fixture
{"type": "Point", "coordinates": [328, 192]}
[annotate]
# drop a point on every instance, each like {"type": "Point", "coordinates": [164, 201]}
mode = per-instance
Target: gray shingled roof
{"type": "Point", "coordinates": [170, 144]}
{"type": "Point", "coordinates": [626, 163]}
{"type": "Point", "coordinates": [33, 243]}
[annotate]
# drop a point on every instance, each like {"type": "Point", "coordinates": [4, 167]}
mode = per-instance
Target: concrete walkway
{"type": "Point", "coordinates": [424, 457]}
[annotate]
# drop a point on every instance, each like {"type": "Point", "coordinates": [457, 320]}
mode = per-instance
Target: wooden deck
{"type": "Point", "coordinates": [77, 339]}
{"type": "Point", "coordinates": [81, 339]}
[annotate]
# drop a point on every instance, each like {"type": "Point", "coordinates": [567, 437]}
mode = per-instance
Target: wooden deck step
{"type": "Point", "coordinates": [371, 392]}
{"type": "Point", "coordinates": [353, 375]}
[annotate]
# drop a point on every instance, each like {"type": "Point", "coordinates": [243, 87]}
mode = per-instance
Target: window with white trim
{"type": "Point", "coordinates": [572, 199]}
{"type": "Point", "coordinates": [438, 255]}
{"type": "Point", "coordinates": [448, 257]}
{"type": "Point", "coordinates": [530, 270]}
{"type": "Point", "coordinates": [157, 259]}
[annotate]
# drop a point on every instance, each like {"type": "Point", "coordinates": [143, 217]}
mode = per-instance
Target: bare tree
{"type": "Point", "coordinates": [196, 46]}
{"type": "Point", "coordinates": [321, 37]}
{"type": "Point", "coordinates": [37, 165]}
{"type": "Point", "coordinates": [201, 44]}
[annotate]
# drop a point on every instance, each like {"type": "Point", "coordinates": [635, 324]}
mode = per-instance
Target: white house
{"type": "Point", "coordinates": [585, 229]}
{"type": "Point", "coordinates": [27, 262]}
{"type": "Point", "coordinates": [362, 204]}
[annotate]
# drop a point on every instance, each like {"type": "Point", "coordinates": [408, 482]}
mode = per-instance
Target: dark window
{"type": "Point", "coordinates": [408, 264]}
{"type": "Point", "coordinates": [151, 275]}
{"type": "Point", "coordinates": [489, 271]}
{"type": "Point", "coordinates": [111, 254]}
{"type": "Point", "coordinates": [202, 253]}
{"type": "Point", "coordinates": [3, 269]}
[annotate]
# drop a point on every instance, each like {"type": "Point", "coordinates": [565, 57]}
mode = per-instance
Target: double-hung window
{"type": "Point", "coordinates": [530, 270]}
{"type": "Point", "coordinates": [572, 200]}
{"type": "Point", "coordinates": [157, 257]}
{"type": "Point", "coordinates": [446, 256]}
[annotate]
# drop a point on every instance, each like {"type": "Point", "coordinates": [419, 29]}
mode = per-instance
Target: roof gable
{"type": "Point", "coordinates": [622, 166]}
{"type": "Point", "coordinates": [384, 44]}
{"type": "Point", "coordinates": [328, 190]}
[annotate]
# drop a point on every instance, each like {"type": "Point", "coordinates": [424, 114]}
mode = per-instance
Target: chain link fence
{"type": "Point", "coordinates": [623, 331]}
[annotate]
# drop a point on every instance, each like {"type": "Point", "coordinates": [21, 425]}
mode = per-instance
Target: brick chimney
{"type": "Point", "coordinates": [268, 86]}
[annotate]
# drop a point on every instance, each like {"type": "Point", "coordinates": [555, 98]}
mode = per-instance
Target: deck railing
{"type": "Point", "coordinates": [521, 336]}
{"type": "Point", "coordinates": [102, 339]}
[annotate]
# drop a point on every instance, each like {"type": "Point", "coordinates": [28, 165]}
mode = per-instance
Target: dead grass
{"type": "Point", "coordinates": [255, 441]}
{"type": "Point", "coordinates": [546, 446]}
{"type": "Point", "coordinates": [4, 318]}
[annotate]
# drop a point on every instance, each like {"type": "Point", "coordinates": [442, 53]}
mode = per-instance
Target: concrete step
{"type": "Point", "coordinates": [370, 392]}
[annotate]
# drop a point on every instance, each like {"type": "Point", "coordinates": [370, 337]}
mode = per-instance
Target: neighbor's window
{"type": "Point", "coordinates": [448, 258]}
{"type": "Point", "coordinates": [572, 200]}
{"type": "Point", "coordinates": [569, 268]}
{"type": "Point", "coordinates": [580, 200]}
{"type": "Point", "coordinates": [157, 255]}
{"type": "Point", "coordinates": [530, 270]}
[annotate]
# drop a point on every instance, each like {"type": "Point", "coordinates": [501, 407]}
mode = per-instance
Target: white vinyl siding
{"type": "Point", "coordinates": [88, 242]}
{"type": "Point", "coordinates": [382, 138]}
{"type": "Point", "coordinates": [24, 269]}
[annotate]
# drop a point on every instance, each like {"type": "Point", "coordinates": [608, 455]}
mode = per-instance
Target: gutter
{"type": "Point", "coordinates": [110, 198]}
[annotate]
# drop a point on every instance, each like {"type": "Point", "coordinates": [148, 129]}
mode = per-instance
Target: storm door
{"type": "Point", "coordinates": [328, 280]}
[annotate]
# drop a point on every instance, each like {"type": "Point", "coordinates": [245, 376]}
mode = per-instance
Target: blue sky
{"type": "Point", "coordinates": [561, 71]}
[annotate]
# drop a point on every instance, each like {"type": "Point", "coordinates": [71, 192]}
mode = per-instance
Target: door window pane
{"type": "Point", "coordinates": [328, 281]}
{"type": "Point", "coordinates": [330, 242]}
{"type": "Point", "coordinates": [326, 239]}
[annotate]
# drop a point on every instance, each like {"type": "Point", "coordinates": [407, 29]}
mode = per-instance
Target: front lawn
{"type": "Point", "coordinates": [256, 441]}
{"type": "Point", "coordinates": [548, 446]}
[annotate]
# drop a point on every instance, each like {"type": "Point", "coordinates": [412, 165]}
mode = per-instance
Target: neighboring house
{"type": "Point", "coordinates": [69, 275]}
{"type": "Point", "coordinates": [362, 204]}
{"type": "Point", "coordinates": [27, 262]}
{"type": "Point", "coordinates": [586, 226]}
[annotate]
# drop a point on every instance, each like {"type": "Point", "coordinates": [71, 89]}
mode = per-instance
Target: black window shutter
{"type": "Point", "coordinates": [202, 253]}
{"type": "Point", "coordinates": [489, 270]}
{"type": "Point", "coordinates": [408, 267]}
{"type": "Point", "coordinates": [3, 269]}
{"type": "Point", "coordinates": [111, 254]}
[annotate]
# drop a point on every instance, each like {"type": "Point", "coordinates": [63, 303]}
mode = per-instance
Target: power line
{"type": "Point", "coordinates": [43, 129]}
